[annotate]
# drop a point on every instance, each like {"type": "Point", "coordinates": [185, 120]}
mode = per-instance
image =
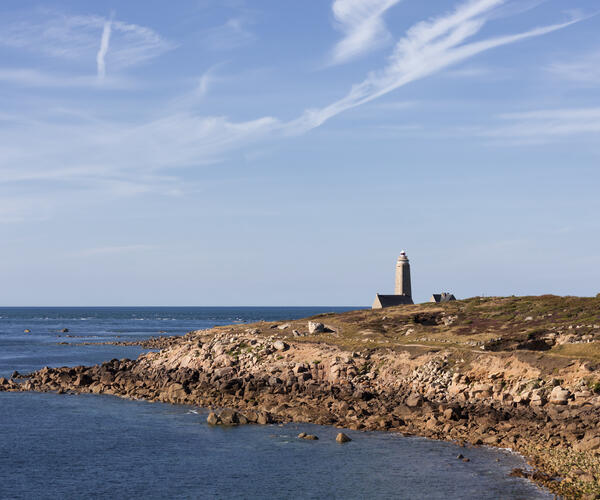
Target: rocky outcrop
{"type": "Point", "coordinates": [491, 399]}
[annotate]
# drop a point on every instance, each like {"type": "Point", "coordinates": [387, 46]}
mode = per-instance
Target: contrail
{"type": "Point", "coordinates": [104, 43]}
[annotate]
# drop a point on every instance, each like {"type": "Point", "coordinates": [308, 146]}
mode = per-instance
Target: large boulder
{"type": "Point", "coordinates": [559, 396]}
{"type": "Point", "coordinates": [315, 327]}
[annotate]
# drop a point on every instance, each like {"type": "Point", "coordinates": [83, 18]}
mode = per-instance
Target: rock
{"type": "Point", "coordinates": [284, 326]}
{"type": "Point", "coordinates": [466, 459]}
{"type": "Point", "coordinates": [296, 333]}
{"type": "Point", "coordinates": [315, 327]}
{"type": "Point", "coordinates": [263, 418]}
{"type": "Point", "coordinates": [311, 437]}
{"type": "Point", "coordinates": [588, 443]}
{"type": "Point", "coordinates": [537, 398]}
{"type": "Point", "coordinates": [342, 438]}
{"type": "Point", "coordinates": [559, 396]}
{"type": "Point", "coordinates": [65, 330]}
{"type": "Point", "coordinates": [212, 418]}
{"type": "Point", "coordinates": [280, 345]}
{"type": "Point", "coordinates": [484, 390]}
{"type": "Point", "coordinates": [27, 330]}
{"type": "Point", "coordinates": [302, 435]}
{"type": "Point", "coordinates": [460, 456]}
{"type": "Point", "coordinates": [229, 417]}
{"type": "Point", "coordinates": [414, 400]}
{"type": "Point", "coordinates": [519, 473]}
{"type": "Point", "coordinates": [449, 414]}
{"type": "Point", "coordinates": [82, 380]}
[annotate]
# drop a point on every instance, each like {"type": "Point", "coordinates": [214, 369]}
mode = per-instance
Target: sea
{"type": "Point", "coordinates": [94, 446]}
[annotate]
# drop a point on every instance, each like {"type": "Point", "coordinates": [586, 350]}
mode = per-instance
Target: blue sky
{"type": "Point", "coordinates": [283, 153]}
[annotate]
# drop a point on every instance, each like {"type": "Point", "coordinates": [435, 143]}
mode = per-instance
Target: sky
{"type": "Point", "coordinates": [256, 152]}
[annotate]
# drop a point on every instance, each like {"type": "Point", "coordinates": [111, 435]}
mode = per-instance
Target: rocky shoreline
{"type": "Point", "coordinates": [501, 399]}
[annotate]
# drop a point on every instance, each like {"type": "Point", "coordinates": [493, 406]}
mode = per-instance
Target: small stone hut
{"type": "Point", "coordinates": [442, 297]}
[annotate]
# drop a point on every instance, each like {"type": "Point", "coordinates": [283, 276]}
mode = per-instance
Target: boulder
{"type": "Point", "coordinates": [559, 396]}
{"type": "Point", "coordinates": [27, 330]}
{"type": "Point", "coordinates": [414, 400]}
{"type": "Point", "coordinates": [284, 326]}
{"type": "Point", "coordinates": [315, 327]}
{"type": "Point", "coordinates": [65, 330]}
{"type": "Point", "coordinates": [311, 437]}
{"type": "Point", "coordinates": [280, 345]}
{"type": "Point", "coordinates": [342, 438]}
{"type": "Point", "coordinates": [229, 417]}
{"type": "Point", "coordinates": [212, 418]}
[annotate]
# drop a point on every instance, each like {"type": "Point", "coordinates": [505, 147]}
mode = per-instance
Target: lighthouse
{"type": "Point", "coordinates": [403, 291]}
{"type": "Point", "coordinates": [403, 276]}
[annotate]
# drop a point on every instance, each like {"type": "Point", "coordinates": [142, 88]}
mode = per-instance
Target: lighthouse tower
{"type": "Point", "coordinates": [403, 277]}
{"type": "Point", "coordinates": [403, 292]}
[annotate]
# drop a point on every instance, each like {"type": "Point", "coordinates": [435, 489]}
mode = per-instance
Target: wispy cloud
{"type": "Point", "coordinates": [104, 43]}
{"type": "Point", "coordinates": [123, 158]}
{"type": "Point", "coordinates": [427, 48]}
{"type": "Point", "coordinates": [76, 38]}
{"type": "Point", "coordinates": [584, 70]}
{"type": "Point", "coordinates": [361, 21]}
{"type": "Point", "coordinates": [126, 158]}
{"type": "Point", "coordinates": [546, 125]}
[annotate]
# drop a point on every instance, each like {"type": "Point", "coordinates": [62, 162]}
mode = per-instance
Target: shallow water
{"type": "Point", "coordinates": [70, 446]}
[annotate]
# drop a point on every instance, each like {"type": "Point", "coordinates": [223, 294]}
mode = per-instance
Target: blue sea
{"type": "Point", "coordinates": [83, 446]}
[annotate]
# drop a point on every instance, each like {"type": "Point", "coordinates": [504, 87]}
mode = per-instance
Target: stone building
{"type": "Point", "coordinates": [442, 297]}
{"type": "Point", "coordinates": [403, 290]}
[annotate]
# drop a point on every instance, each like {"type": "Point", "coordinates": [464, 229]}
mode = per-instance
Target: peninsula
{"type": "Point", "coordinates": [514, 372]}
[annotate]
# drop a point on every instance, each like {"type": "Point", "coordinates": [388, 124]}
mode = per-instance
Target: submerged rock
{"type": "Point", "coordinates": [342, 438]}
